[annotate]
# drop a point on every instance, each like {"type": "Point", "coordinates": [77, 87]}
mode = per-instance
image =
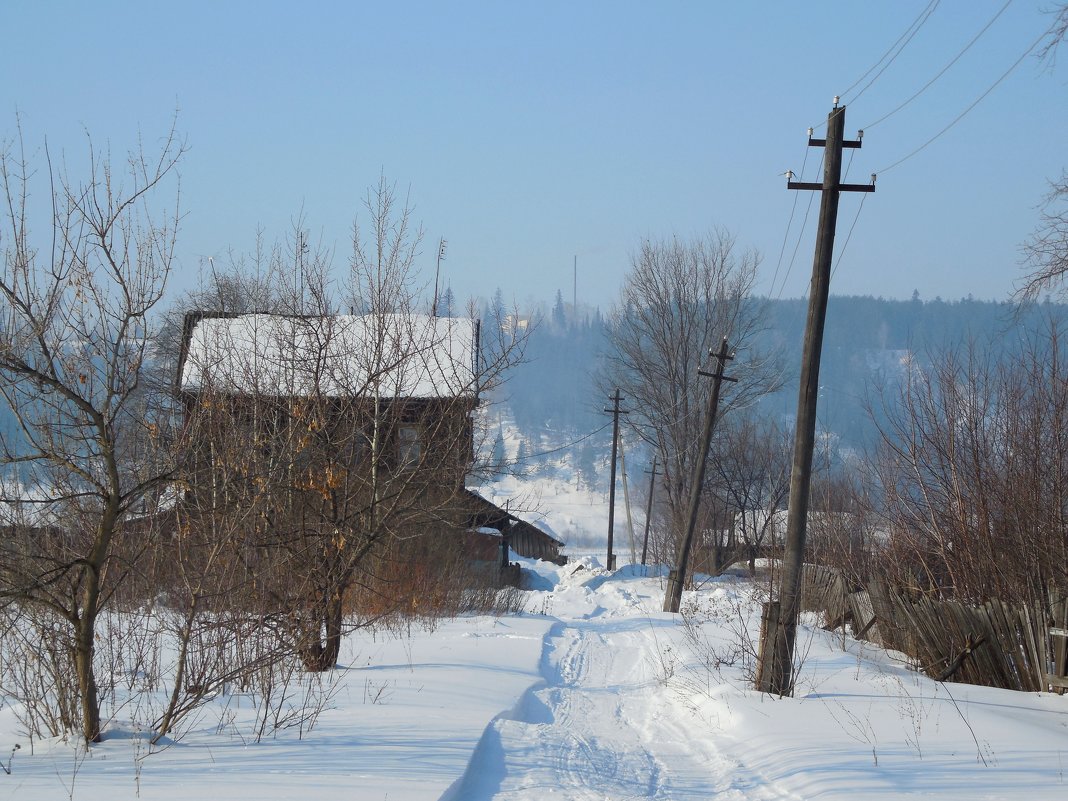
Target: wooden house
{"type": "Point", "coordinates": [346, 423]}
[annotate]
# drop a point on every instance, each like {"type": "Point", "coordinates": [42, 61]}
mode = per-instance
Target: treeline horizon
{"type": "Point", "coordinates": [867, 342]}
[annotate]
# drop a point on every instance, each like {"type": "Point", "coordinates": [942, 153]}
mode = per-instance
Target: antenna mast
{"type": "Point", "coordinates": [574, 291]}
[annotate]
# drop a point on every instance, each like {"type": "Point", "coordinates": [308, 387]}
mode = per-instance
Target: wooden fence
{"type": "Point", "coordinates": [995, 644]}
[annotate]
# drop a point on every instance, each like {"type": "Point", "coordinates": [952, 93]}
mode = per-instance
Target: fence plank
{"type": "Point", "coordinates": [1021, 644]}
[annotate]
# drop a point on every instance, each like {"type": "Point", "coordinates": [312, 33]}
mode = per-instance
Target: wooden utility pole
{"type": "Point", "coordinates": [677, 577]}
{"type": "Point", "coordinates": [442, 244]}
{"type": "Point", "coordinates": [649, 510]}
{"type": "Point", "coordinates": [615, 411]}
{"type": "Point", "coordinates": [775, 668]}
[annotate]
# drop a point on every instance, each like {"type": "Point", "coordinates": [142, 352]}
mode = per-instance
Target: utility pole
{"type": "Point", "coordinates": [649, 510]}
{"type": "Point", "coordinates": [615, 411]}
{"type": "Point", "coordinates": [442, 245]}
{"type": "Point", "coordinates": [677, 577]}
{"type": "Point", "coordinates": [775, 668]}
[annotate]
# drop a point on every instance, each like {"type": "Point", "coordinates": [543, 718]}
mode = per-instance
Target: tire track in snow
{"type": "Point", "coordinates": [601, 726]}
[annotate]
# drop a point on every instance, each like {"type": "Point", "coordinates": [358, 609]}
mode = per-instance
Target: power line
{"type": "Point", "coordinates": [944, 69]}
{"type": "Point", "coordinates": [564, 447]}
{"type": "Point", "coordinates": [895, 50]}
{"type": "Point", "coordinates": [974, 103]}
{"type": "Point", "coordinates": [907, 35]}
{"type": "Point", "coordinates": [789, 225]}
{"type": "Point", "coordinates": [661, 410]}
{"type": "Point", "coordinates": [800, 236]}
{"type": "Point", "coordinates": [849, 164]}
{"type": "Point", "coordinates": [849, 236]}
{"type": "Point", "coordinates": [785, 238]}
{"type": "Point", "coordinates": [920, 19]}
{"type": "Point", "coordinates": [797, 245]}
{"type": "Point", "coordinates": [892, 52]}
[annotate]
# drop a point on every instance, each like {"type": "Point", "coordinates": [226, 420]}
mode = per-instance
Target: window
{"type": "Point", "coordinates": [409, 446]}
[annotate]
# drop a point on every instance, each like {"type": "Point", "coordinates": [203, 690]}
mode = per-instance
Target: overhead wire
{"type": "Point", "coordinates": [797, 245]}
{"type": "Point", "coordinates": [944, 69]}
{"type": "Point", "coordinates": [879, 67]}
{"type": "Point", "coordinates": [895, 50]}
{"type": "Point", "coordinates": [789, 225]}
{"type": "Point", "coordinates": [564, 447]}
{"type": "Point", "coordinates": [973, 104]}
{"type": "Point", "coordinates": [849, 235]}
{"type": "Point", "coordinates": [785, 239]}
{"type": "Point", "coordinates": [892, 53]}
{"type": "Point", "coordinates": [920, 19]}
{"type": "Point", "coordinates": [594, 433]}
{"type": "Point", "coordinates": [908, 35]}
{"type": "Point", "coordinates": [852, 152]}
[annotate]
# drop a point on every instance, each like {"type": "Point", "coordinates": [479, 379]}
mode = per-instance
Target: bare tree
{"type": "Point", "coordinates": [1055, 34]}
{"type": "Point", "coordinates": [751, 477]}
{"type": "Point", "coordinates": [843, 525]}
{"type": "Point", "coordinates": [1046, 252]}
{"type": "Point", "coordinates": [75, 319]}
{"type": "Point", "coordinates": [974, 469]}
{"type": "Point", "coordinates": [678, 301]}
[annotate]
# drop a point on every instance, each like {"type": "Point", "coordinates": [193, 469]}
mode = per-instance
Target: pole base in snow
{"type": "Point", "coordinates": [774, 672]}
{"type": "Point", "coordinates": [673, 596]}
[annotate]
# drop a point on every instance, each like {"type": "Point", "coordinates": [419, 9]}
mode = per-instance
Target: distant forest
{"type": "Point", "coordinates": [868, 343]}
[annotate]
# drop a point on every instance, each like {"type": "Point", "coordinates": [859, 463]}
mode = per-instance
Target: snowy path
{"type": "Point", "coordinates": [602, 725]}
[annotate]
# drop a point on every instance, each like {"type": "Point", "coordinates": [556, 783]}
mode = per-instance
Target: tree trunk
{"type": "Point", "coordinates": [322, 636]}
{"type": "Point", "coordinates": [185, 635]}
{"type": "Point", "coordinates": [333, 625]}
{"type": "Point", "coordinates": [84, 636]}
{"type": "Point", "coordinates": [85, 626]}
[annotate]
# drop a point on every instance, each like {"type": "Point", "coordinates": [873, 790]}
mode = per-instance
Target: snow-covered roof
{"type": "Point", "coordinates": [540, 526]}
{"type": "Point", "coordinates": [393, 355]}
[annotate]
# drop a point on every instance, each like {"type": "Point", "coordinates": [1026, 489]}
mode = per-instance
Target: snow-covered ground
{"type": "Point", "coordinates": [590, 693]}
{"type": "Point", "coordinates": [556, 498]}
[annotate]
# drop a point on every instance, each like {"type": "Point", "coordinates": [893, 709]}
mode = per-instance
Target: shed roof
{"type": "Point", "coordinates": [488, 514]}
{"type": "Point", "coordinates": [394, 355]}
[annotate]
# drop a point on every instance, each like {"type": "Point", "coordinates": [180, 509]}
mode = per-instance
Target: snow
{"type": "Point", "coordinates": [591, 693]}
{"type": "Point", "coordinates": [401, 355]}
{"type": "Point", "coordinates": [559, 507]}
{"type": "Point", "coordinates": [555, 499]}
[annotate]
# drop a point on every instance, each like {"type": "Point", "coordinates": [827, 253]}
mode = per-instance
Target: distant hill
{"type": "Point", "coordinates": [867, 344]}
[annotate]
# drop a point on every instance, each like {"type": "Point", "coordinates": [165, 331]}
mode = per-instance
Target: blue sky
{"type": "Point", "coordinates": [532, 133]}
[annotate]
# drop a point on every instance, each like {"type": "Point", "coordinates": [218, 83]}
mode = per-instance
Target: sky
{"type": "Point", "coordinates": [535, 137]}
